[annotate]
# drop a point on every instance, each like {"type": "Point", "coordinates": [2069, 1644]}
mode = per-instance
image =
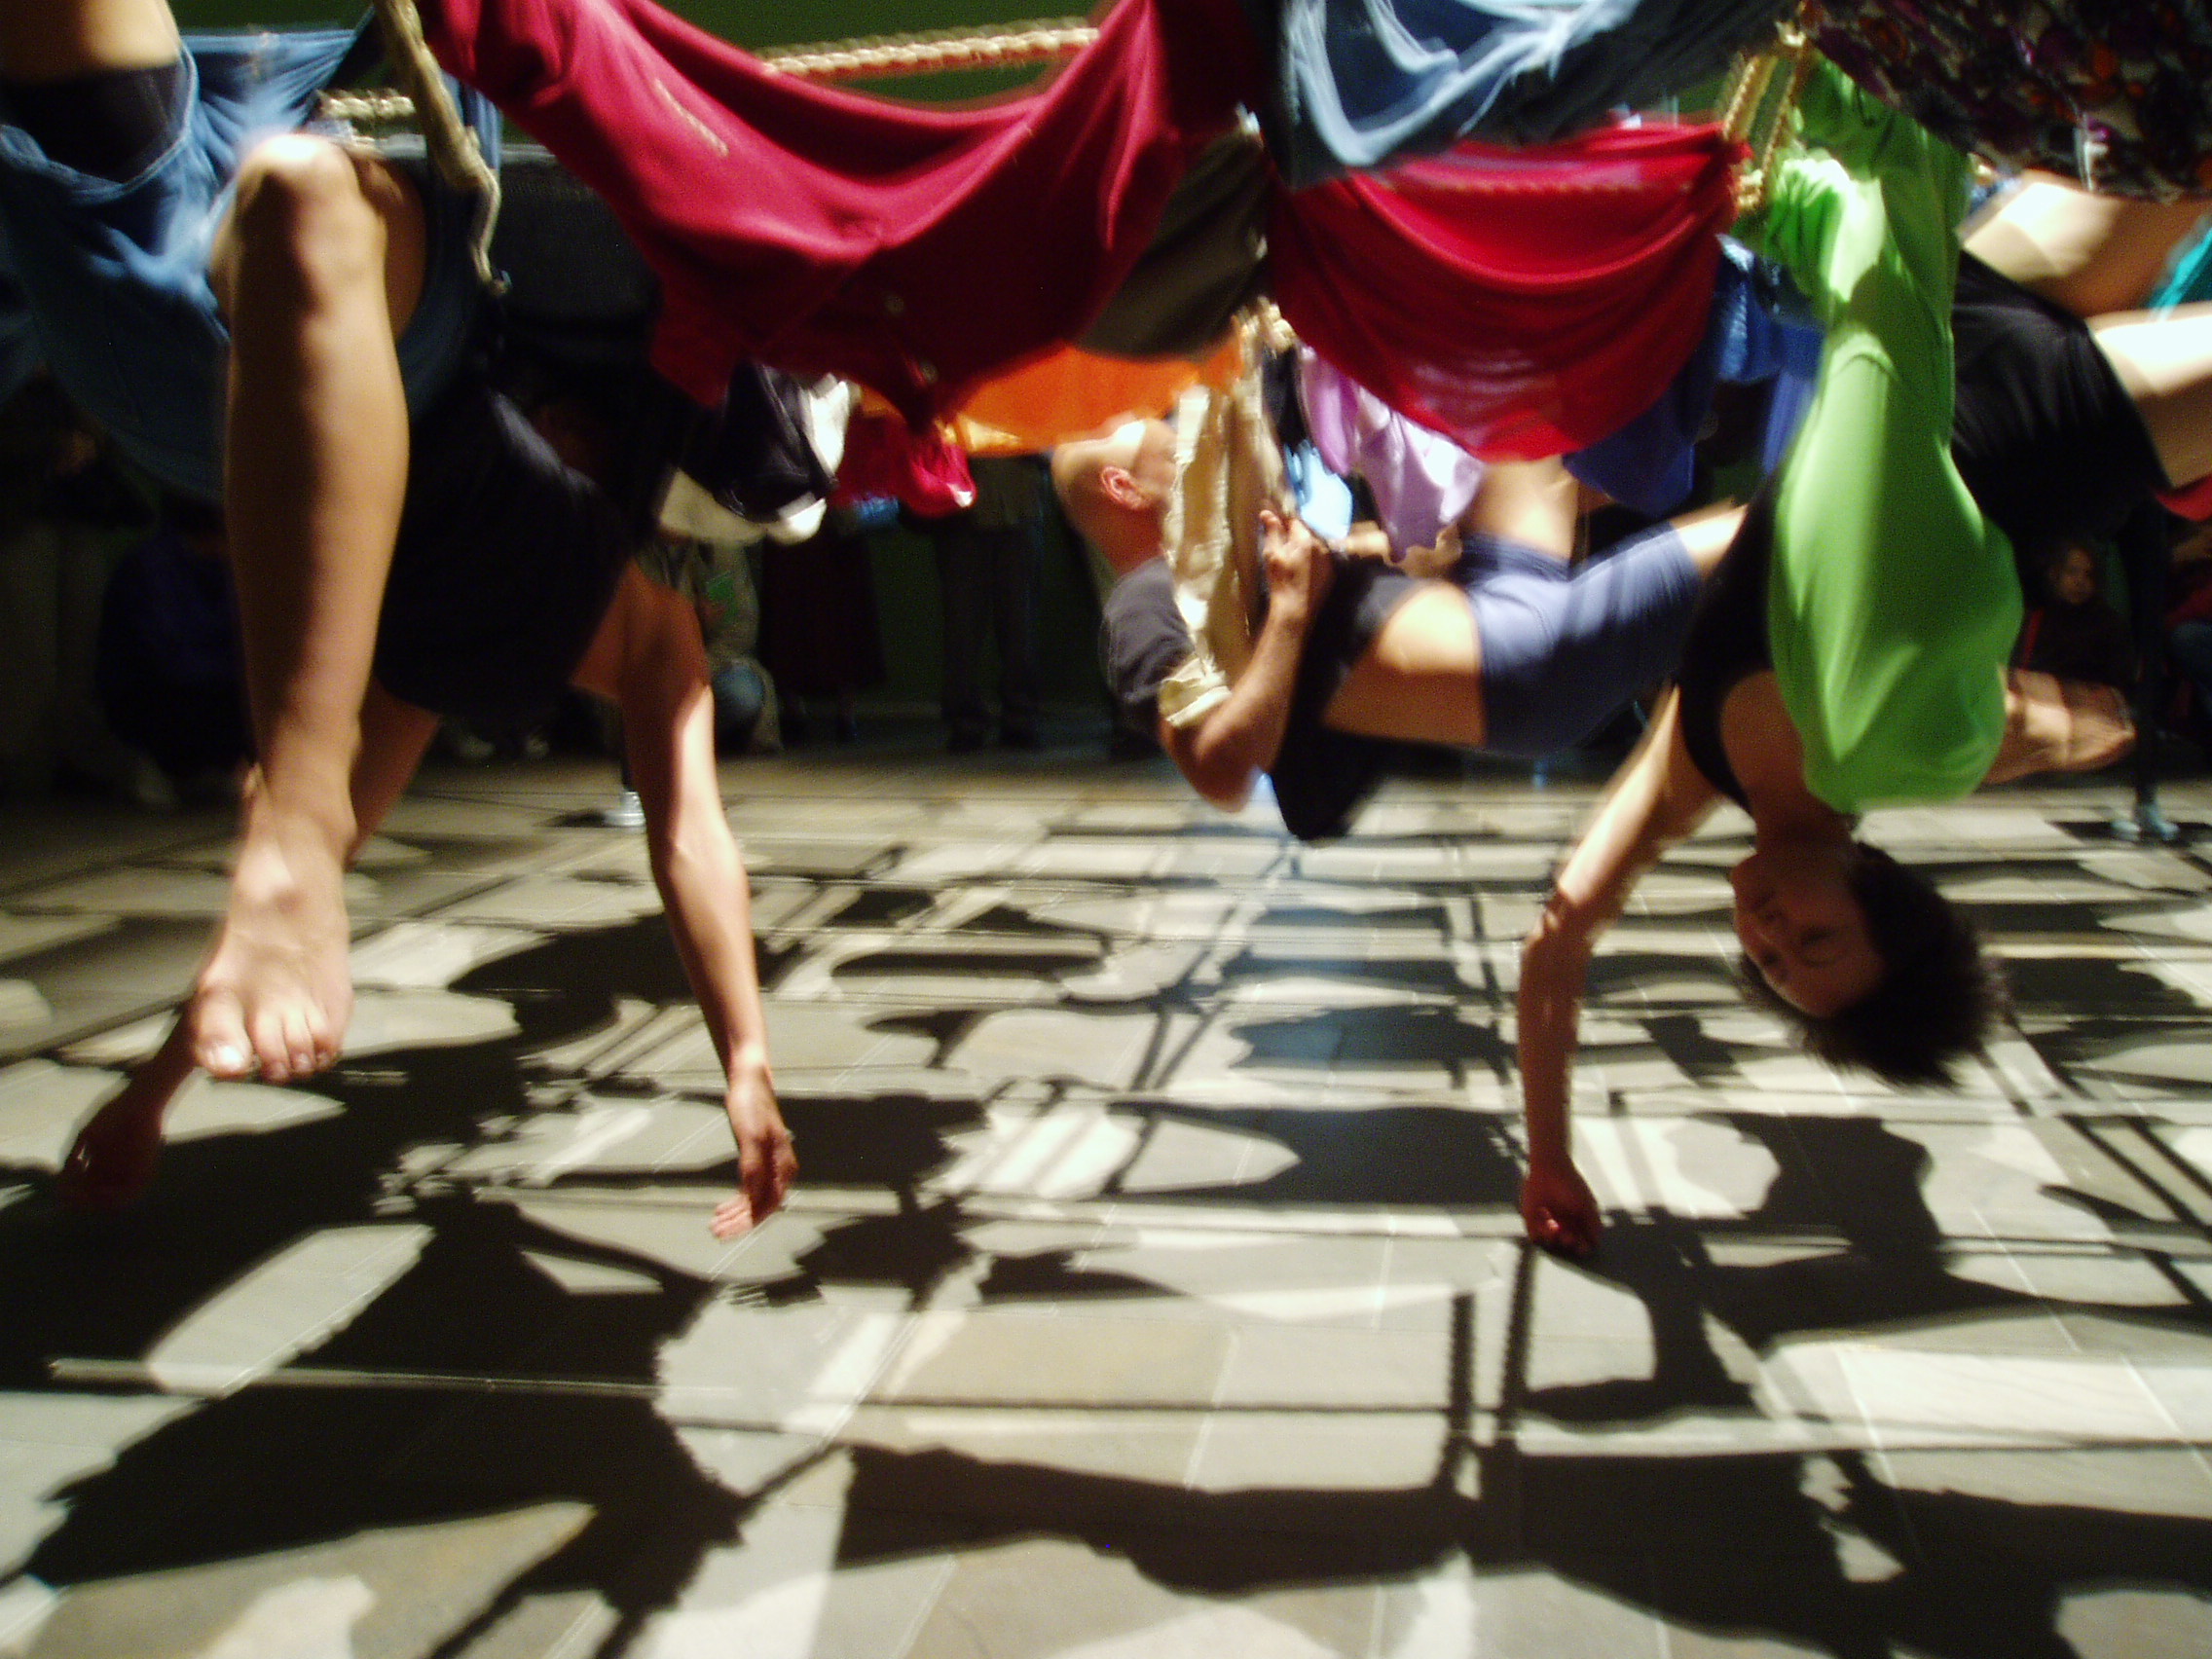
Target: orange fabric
{"type": "Point", "coordinates": [1069, 393]}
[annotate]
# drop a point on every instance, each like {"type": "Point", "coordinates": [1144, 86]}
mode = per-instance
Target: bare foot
{"type": "Point", "coordinates": [276, 991]}
{"type": "Point", "coordinates": [112, 1163]}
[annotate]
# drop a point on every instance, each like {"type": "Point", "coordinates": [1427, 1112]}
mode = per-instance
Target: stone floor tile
{"type": "Point", "coordinates": [2112, 1480]}
{"type": "Point", "coordinates": [991, 1358]}
{"type": "Point", "coordinates": [2135, 1624]}
{"type": "Point", "coordinates": [1154, 1283]}
{"type": "Point", "coordinates": [1290, 1367]}
{"type": "Point", "coordinates": [2185, 1392]}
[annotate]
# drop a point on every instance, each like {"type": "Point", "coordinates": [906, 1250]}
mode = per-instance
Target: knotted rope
{"type": "Point", "coordinates": [935, 52]}
{"type": "Point", "coordinates": [1760, 121]}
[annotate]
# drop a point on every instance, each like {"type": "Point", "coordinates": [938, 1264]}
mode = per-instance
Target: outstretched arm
{"type": "Point", "coordinates": [1240, 737]}
{"type": "Point", "coordinates": [1657, 797]}
{"type": "Point", "coordinates": [649, 657]}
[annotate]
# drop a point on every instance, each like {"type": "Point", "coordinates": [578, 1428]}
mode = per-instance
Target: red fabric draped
{"type": "Point", "coordinates": [916, 251]}
{"type": "Point", "coordinates": [1521, 302]}
{"type": "Point", "coordinates": [2191, 501]}
{"type": "Point", "coordinates": [922, 470]}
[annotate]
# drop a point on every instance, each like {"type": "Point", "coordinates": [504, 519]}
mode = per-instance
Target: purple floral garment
{"type": "Point", "coordinates": [2115, 93]}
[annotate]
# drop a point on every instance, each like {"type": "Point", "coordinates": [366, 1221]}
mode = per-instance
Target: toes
{"type": "Point", "coordinates": [219, 1043]}
{"type": "Point", "coordinates": [302, 1054]}
{"type": "Point", "coordinates": [271, 1046]}
{"type": "Point", "coordinates": [327, 1040]}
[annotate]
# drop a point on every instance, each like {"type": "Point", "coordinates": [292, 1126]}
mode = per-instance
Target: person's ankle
{"type": "Point", "coordinates": [301, 827]}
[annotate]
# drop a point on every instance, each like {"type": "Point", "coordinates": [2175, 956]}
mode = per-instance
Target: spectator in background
{"type": "Point", "coordinates": [2074, 633]}
{"type": "Point", "coordinates": [819, 634]}
{"type": "Point", "coordinates": [989, 564]}
{"type": "Point", "coordinates": [2189, 631]}
{"type": "Point", "coordinates": [68, 510]}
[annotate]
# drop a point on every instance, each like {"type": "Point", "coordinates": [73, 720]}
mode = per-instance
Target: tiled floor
{"type": "Point", "coordinates": [1154, 1287]}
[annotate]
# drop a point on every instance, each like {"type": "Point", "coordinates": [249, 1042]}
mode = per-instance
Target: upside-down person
{"type": "Point", "coordinates": [513, 579]}
{"type": "Point", "coordinates": [1510, 650]}
{"type": "Point", "coordinates": [1851, 649]}
{"type": "Point", "coordinates": [287, 324]}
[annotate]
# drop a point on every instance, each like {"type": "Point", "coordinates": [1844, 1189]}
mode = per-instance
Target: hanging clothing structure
{"type": "Point", "coordinates": [922, 251]}
{"type": "Point", "coordinates": [1524, 303]}
{"type": "Point", "coordinates": [1359, 83]}
{"type": "Point", "coordinates": [2117, 97]}
{"type": "Point", "coordinates": [915, 250]}
{"type": "Point", "coordinates": [1070, 392]}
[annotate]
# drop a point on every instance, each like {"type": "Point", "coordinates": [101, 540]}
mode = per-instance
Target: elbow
{"type": "Point", "coordinates": [1556, 943]}
{"type": "Point", "coordinates": [683, 844]}
{"type": "Point", "coordinates": [1221, 776]}
{"type": "Point", "coordinates": [1227, 788]}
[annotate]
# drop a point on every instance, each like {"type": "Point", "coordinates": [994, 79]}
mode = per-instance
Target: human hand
{"type": "Point", "coordinates": [766, 1163]}
{"type": "Point", "coordinates": [1299, 567]}
{"type": "Point", "coordinates": [1559, 1210]}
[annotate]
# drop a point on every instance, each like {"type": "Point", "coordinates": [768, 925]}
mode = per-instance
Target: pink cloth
{"type": "Point", "coordinates": [916, 251]}
{"type": "Point", "coordinates": [1523, 303]}
{"type": "Point", "coordinates": [922, 470]}
{"type": "Point", "coordinates": [1421, 481]}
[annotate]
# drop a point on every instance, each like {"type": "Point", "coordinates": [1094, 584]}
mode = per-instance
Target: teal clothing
{"type": "Point", "coordinates": [1892, 603]}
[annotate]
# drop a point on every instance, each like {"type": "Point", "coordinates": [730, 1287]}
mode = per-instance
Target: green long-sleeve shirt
{"type": "Point", "coordinates": [1892, 601]}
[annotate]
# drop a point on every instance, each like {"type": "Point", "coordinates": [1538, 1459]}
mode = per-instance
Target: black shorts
{"type": "Point", "coordinates": [2045, 434]}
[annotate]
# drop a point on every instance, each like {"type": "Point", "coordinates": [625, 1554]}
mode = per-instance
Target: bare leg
{"type": "Point", "coordinates": [113, 1161]}
{"type": "Point", "coordinates": [53, 40]}
{"type": "Point", "coordinates": [318, 268]}
{"type": "Point", "coordinates": [2166, 363]}
{"type": "Point", "coordinates": [2092, 254]}
{"type": "Point", "coordinates": [2099, 257]}
{"type": "Point", "coordinates": [1708, 533]}
{"type": "Point", "coordinates": [1533, 502]}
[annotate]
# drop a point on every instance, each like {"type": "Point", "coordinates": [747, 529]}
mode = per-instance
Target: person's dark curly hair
{"type": "Point", "coordinates": [1938, 996]}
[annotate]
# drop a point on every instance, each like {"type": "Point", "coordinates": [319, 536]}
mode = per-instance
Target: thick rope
{"type": "Point", "coordinates": [935, 52]}
{"type": "Point", "coordinates": [452, 146]}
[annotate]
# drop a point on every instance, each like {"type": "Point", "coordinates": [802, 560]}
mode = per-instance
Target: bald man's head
{"type": "Point", "coordinates": [1114, 488]}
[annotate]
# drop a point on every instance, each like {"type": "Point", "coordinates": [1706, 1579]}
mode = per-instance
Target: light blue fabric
{"type": "Point", "coordinates": [1357, 82]}
{"type": "Point", "coordinates": [2191, 280]}
{"type": "Point", "coordinates": [116, 272]}
{"type": "Point", "coordinates": [1324, 499]}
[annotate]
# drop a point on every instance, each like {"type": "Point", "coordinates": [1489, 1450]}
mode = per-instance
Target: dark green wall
{"type": "Point", "coordinates": [750, 22]}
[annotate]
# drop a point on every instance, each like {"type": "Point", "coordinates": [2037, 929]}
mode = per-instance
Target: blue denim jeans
{"type": "Point", "coordinates": [114, 272]}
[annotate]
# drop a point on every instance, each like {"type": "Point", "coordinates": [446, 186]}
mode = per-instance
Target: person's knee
{"type": "Point", "coordinates": [304, 217]}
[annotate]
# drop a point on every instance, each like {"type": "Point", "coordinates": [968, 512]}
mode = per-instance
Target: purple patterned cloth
{"type": "Point", "coordinates": [2114, 93]}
